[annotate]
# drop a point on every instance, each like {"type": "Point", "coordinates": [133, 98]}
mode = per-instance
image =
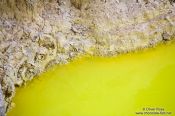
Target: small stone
{"type": "Point", "coordinates": [166, 36]}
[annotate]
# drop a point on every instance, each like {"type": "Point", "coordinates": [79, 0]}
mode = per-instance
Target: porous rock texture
{"type": "Point", "coordinates": [36, 34]}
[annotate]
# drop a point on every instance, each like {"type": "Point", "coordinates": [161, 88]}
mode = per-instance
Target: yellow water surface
{"type": "Point", "coordinates": [127, 85]}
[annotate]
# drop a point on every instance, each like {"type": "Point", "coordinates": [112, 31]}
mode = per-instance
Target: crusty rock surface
{"type": "Point", "coordinates": [2, 108]}
{"type": "Point", "coordinates": [34, 34]}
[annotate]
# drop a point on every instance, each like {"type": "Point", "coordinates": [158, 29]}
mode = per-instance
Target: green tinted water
{"type": "Point", "coordinates": [92, 86]}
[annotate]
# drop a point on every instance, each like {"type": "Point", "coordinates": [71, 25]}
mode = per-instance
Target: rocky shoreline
{"type": "Point", "coordinates": [37, 35]}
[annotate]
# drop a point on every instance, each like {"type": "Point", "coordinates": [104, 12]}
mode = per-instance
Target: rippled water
{"type": "Point", "coordinates": [93, 86]}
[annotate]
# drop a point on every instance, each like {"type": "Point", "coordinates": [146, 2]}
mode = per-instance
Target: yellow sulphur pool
{"type": "Point", "coordinates": [128, 85]}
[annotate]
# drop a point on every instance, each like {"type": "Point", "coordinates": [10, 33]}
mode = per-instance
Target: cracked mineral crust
{"type": "Point", "coordinates": [35, 34]}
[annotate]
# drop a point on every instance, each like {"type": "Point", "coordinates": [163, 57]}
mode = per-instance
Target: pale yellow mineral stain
{"type": "Point", "coordinates": [93, 86]}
